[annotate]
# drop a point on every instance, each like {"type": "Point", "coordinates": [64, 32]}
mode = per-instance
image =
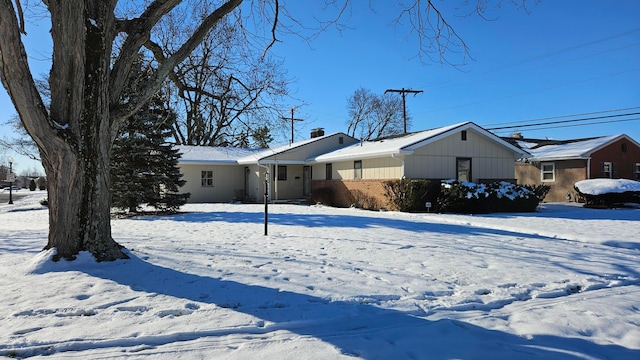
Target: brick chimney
{"type": "Point", "coordinates": [317, 132]}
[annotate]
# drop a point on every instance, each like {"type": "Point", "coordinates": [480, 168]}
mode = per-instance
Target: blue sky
{"type": "Point", "coordinates": [562, 58]}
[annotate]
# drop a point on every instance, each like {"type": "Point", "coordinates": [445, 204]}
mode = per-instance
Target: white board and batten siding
{"type": "Point", "coordinates": [437, 160]}
{"type": "Point", "coordinates": [376, 168]}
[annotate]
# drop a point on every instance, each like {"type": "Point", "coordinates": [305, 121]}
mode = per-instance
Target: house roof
{"type": "Point", "coordinates": [212, 155]}
{"type": "Point", "coordinates": [405, 144]}
{"type": "Point", "coordinates": [264, 155]}
{"type": "Point", "coordinates": [544, 150]}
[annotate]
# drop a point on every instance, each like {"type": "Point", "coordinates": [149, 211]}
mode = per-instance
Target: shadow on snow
{"type": "Point", "coordinates": [351, 220]}
{"type": "Point", "coordinates": [353, 328]}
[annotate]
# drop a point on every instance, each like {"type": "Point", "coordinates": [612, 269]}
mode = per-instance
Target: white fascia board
{"type": "Point", "coordinates": [358, 156]}
{"type": "Point", "coordinates": [282, 162]}
{"type": "Point", "coordinates": [558, 158]}
{"type": "Point", "coordinates": [208, 162]}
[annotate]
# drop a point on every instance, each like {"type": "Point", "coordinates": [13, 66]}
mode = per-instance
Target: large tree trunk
{"type": "Point", "coordinates": [79, 220]}
{"type": "Point", "coordinates": [77, 159]}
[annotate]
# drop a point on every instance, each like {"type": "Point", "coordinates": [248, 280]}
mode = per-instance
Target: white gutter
{"type": "Point", "coordinates": [276, 178]}
{"type": "Point", "coordinates": [402, 161]}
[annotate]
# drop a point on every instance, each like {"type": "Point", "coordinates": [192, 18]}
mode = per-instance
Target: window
{"type": "Point", "coordinates": [636, 171]}
{"type": "Point", "coordinates": [607, 170]}
{"type": "Point", "coordinates": [357, 169]}
{"type": "Point", "coordinates": [463, 168]}
{"type": "Point", "coordinates": [329, 171]}
{"type": "Point", "coordinates": [548, 171]}
{"type": "Point", "coordinates": [207, 179]}
{"type": "Point", "coordinates": [281, 173]}
{"type": "Point", "coordinates": [340, 140]}
{"type": "Point", "coordinates": [463, 135]}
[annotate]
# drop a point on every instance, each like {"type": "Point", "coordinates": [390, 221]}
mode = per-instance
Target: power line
{"type": "Point", "coordinates": [404, 91]}
{"type": "Point", "coordinates": [563, 116]}
{"type": "Point", "coordinates": [563, 121]}
{"type": "Point", "coordinates": [575, 125]}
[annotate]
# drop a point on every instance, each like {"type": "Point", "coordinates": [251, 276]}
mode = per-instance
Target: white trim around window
{"type": "Point", "coordinates": [548, 171]}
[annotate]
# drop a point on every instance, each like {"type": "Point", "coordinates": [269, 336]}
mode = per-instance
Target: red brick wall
{"type": "Point", "coordinates": [614, 153]}
{"type": "Point", "coordinates": [368, 194]}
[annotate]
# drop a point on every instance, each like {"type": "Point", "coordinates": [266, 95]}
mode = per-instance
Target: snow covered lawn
{"type": "Point", "coordinates": [329, 283]}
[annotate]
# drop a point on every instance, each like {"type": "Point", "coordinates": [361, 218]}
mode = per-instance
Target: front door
{"type": "Point", "coordinates": [306, 181]}
{"type": "Point", "coordinates": [463, 167]}
{"type": "Point", "coordinates": [247, 174]}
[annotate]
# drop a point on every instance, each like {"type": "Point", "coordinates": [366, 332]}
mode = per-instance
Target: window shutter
{"type": "Point", "coordinates": [614, 170]}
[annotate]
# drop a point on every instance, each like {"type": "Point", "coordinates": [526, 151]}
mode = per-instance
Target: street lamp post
{"type": "Point", "coordinates": [10, 180]}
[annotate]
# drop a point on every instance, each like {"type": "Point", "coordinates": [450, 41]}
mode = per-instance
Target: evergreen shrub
{"type": "Point", "coordinates": [472, 198]}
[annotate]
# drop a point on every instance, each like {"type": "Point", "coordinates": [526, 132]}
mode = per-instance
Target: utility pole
{"type": "Point", "coordinates": [292, 120]}
{"type": "Point", "coordinates": [404, 91]}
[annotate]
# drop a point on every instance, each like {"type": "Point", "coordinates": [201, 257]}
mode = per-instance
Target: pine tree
{"type": "Point", "coordinates": [143, 165]}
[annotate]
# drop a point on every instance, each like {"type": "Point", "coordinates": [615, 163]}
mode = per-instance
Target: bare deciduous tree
{"type": "Point", "coordinates": [374, 116]}
{"type": "Point", "coordinates": [225, 88]}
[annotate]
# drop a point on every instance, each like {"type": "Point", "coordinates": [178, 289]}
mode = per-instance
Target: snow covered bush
{"type": "Point", "coordinates": [608, 192]}
{"type": "Point", "coordinates": [472, 198]}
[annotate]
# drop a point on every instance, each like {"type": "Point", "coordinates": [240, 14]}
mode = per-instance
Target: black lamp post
{"type": "Point", "coordinates": [10, 178]}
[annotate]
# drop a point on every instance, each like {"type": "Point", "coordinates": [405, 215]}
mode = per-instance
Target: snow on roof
{"type": "Point", "coordinates": [403, 144]}
{"type": "Point", "coordinates": [580, 149]}
{"type": "Point", "coordinates": [265, 153]}
{"type": "Point", "coordinates": [384, 146]}
{"type": "Point", "coordinates": [212, 155]}
{"type": "Point", "coordinates": [604, 186]}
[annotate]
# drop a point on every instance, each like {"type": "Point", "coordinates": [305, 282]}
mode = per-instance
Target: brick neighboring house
{"type": "Point", "coordinates": [562, 163]}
